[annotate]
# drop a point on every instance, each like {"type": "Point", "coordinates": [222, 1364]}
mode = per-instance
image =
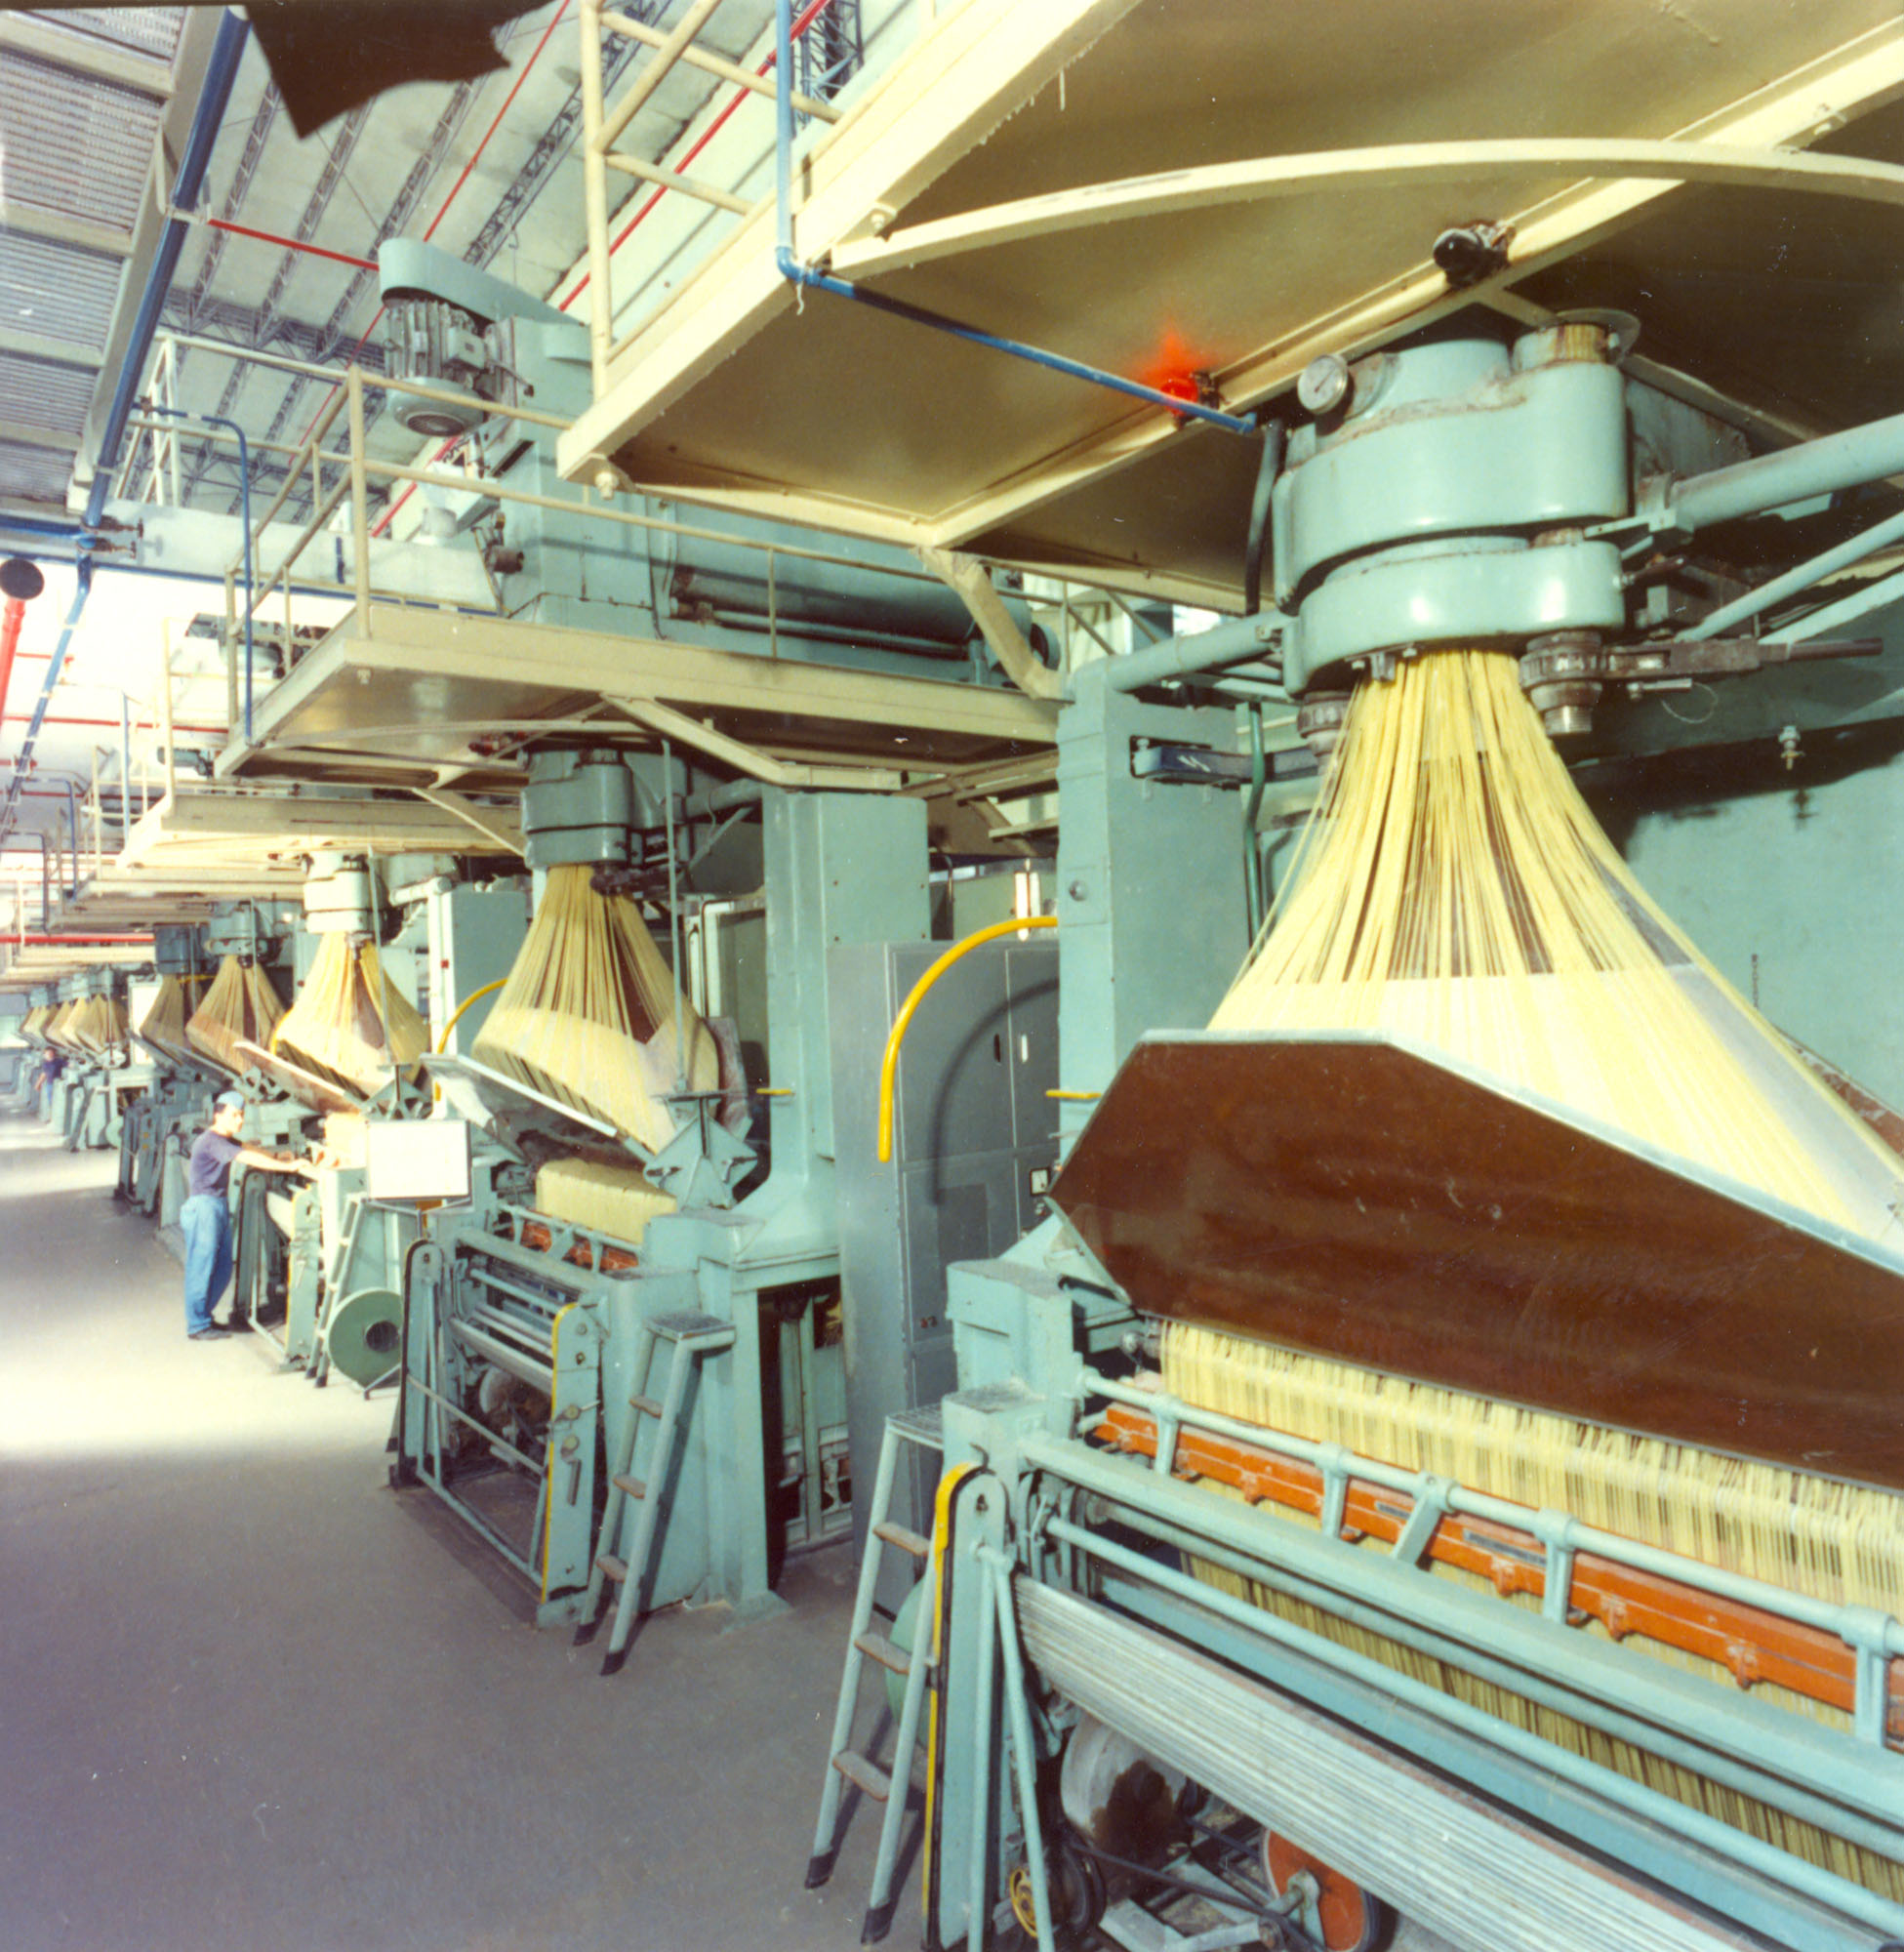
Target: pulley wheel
{"type": "Point", "coordinates": [1077, 1893]}
{"type": "Point", "coordinates": [365, 1330]}
{"type": "Point", "coordinates": [1352, 1920]}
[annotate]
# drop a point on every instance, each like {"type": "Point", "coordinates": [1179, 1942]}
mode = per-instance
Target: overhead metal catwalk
{"type": "Point", "coordinates": [1205, 201]}
{"type": "Point", "coordinates": [400, 694]}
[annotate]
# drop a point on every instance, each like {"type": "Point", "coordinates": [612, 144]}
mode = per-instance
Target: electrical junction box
{"type": "Point", "coordinates": [975, 1141]}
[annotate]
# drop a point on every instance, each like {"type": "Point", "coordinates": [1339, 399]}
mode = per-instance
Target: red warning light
{"type": "Point", "coordinates": [1175, 369]}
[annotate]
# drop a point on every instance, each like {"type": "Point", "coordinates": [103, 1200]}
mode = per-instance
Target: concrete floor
{"type": "Point", "coordinates": [251, 1700]}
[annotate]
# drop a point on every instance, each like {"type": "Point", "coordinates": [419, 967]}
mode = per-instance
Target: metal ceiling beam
{"type": "Point", "coordinates": [58, 229]}
{"type": "Point", "coordinates": [60, 352]}
{"type": "Point", "coordinates": [14, 433]}
{"type": "Point", "coordinates": [241, 326]}
{"type": "Point", "coordinates": [263, 117]}
{"type": "Point", "coordinates": [211, 44]}
{"type": "Point", "coordinates": [21, 34]}
{"type": "Point", "coordinates": [552, 148]}
{"type": "Point", "coordinates": [342, 146]}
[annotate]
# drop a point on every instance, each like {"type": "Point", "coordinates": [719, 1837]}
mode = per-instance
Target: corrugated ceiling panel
{"type": "Point", "coordinates": [35, 473]}
{"type": "Point", "coordinates": [35, 393]}
{"type": "Point", "coordinates": [74, 144]}
{"type": "Point", "coordinates": [56, 291]}
{"type": "Point", "coordinates": [146, 31]}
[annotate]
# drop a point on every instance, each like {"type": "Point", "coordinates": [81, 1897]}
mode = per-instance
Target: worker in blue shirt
{"type": "Point", "coordinates": [205, 1219]}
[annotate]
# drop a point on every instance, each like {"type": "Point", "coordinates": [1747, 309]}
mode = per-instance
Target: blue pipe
{"type": "Point", "coordinates": [797, 273]}
{"type": "Point", "coordinates": [72, 833]}
{"type": "Point", "coordinates": [83, 584]}
{"type": "Point", "coordinates": [244, 490]}
{"type": "Point", "coordinates": [44, 525]}
{"type": "Point", "coordinates": [220, 72]}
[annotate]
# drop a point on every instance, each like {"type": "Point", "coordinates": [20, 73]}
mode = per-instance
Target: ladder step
{"type": "Point", "coordinates": [634, 1486]}
{"type": "Point", "coordinates": [882, 1650]}
{"type": "Point", "coordinates": [691, 1322]}
{"type": "Point", "coordinates": [616, 1569]}
{"type": "Point", "coordinates": [925, 1426]}
{"type": "Point", "coordinates": [907, 1541]}
{"type": "Point", "coordinates": [864, 1775]}
{"type": "Point", "coordinates": [644, 1406]}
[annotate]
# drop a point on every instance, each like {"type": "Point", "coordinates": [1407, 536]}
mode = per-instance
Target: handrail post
{"type": "Point", "coordinates": [359, 499]}
{"type": "Point", "coordinates": [594, 192]}
{"type": "Point", "coordinates": [165, 708]}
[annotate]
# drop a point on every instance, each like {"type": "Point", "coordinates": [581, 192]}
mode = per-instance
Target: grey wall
{"type": "Point", "coordinates": [1799, 871]}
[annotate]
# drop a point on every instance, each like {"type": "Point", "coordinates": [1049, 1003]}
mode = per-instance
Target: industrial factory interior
{"type": "Point", "coordinates": [948, 976]}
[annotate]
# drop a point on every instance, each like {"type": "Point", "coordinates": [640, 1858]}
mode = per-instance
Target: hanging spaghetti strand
{"type": "Point", "coordinates": [240, 1006]}
{"type": "Point", "coordinates": [1454, 890]}
{"type": "Point", "coordinates": [587, 1016]}
{"type": "Point", "coordinates": [349, 1024]}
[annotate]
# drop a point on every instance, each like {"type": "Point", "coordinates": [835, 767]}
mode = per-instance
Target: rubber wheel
{"type": "Point", "coordinates": [1352, 1920]}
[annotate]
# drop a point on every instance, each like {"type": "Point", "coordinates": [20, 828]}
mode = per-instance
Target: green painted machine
{"type": "Point", "coordinates": [178, 1092]}
{"type": "Point", "coordinates": [1119, 1739]}
{"type": "Point", "coordinates": [639, 1423]}
{"type": "Point", "coordinates": [318, 1264]}
{"type": "Point", "coordinates": [254, 932]}
{"type": "Point", "coordinates": [101, 1080]}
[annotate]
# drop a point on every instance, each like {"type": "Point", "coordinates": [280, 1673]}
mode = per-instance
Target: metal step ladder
{"type": "Point", "coordinates": [886, 1785]}
{"type": "Point", "coordinates": [693, 1336]}
{"type": "Point", "coordinates": [317, 1361]}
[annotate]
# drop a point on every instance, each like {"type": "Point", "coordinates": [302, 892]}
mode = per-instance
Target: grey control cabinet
{"type": "Point", "coordinates": [974, 1146]}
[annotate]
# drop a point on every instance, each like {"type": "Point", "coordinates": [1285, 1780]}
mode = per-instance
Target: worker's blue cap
{"type": "Point", "coordinates": [230, 1101]}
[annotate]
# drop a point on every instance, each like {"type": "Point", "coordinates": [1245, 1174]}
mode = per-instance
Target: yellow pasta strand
{"type": "Point", "coordinates": [96, 1025]}
{"type": "Point", "coordinates": [163, 1026]}
{"type": "Point", "coordinates": [348, 1023]}
{"type": "Point", "coordinates": [1454, 889]}
{"type": "Point", "coordinates": [613, 1200]}
{"type": "Point", "coordinates": [240, 1006]}
{"type": "Point", "coordinates": [588, 1014]}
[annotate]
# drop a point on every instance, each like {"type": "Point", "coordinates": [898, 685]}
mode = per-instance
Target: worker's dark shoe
{"type": "Point", "coordinates": [212, 1332]}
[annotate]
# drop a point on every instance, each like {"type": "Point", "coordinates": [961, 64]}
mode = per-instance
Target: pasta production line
{"type": "Point", "coordinates": [183, 1081]}
{"type": "Point", "coordinates": [1441, 1453]}
{"type": "Point", "coordinates": [318, 1264]}
{"type": "Point", "coordinates": [623, 1360]}
{"type": "Point", "coordinates": [100, 1074]}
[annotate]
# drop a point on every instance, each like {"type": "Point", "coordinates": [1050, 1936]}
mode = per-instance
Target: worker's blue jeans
{"type": "Point", "coordinates": [205, 1220]}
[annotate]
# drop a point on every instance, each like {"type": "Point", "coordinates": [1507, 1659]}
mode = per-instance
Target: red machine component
{"type": "Point", "coordinates": [1752, 1643]}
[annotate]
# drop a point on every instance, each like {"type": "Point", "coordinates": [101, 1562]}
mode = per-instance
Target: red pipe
{"type": "Point", "coordinates": [81, 940]}
{"type": "Point", "coordinates": [802, 20]}
{"type": "Point", "coordinates": [289, 243]}
{"type": "Point", "coordinates": [11, 619]}
{"type": "Point", "coordinates": [476, 157]}
{"type": "Point", "coordinates": [22, 718]}
{"type": "Point", "coordinates": [534, 57]}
